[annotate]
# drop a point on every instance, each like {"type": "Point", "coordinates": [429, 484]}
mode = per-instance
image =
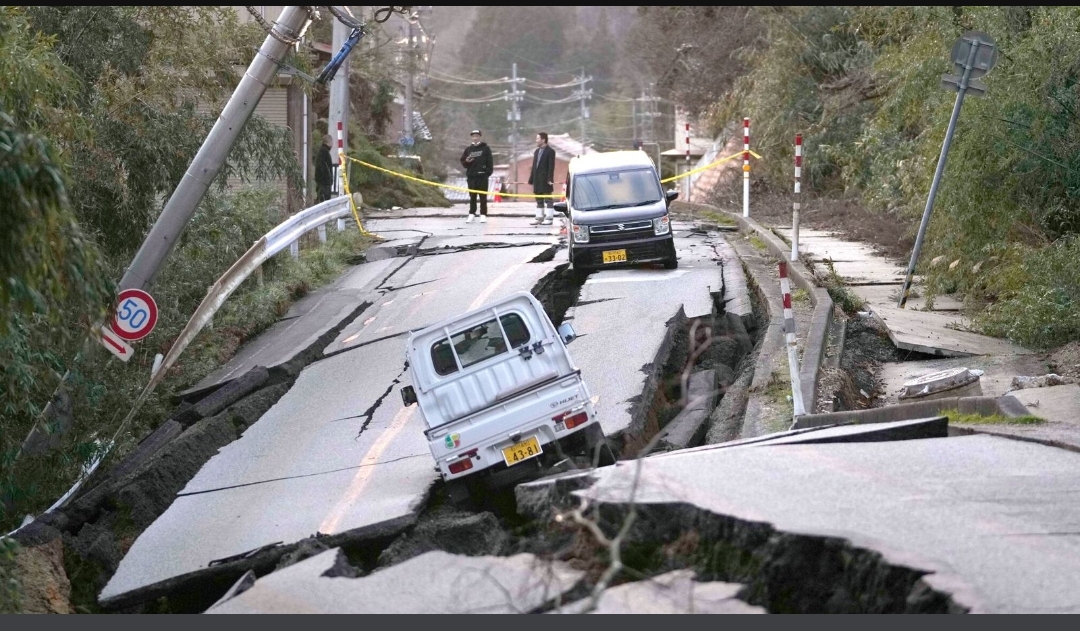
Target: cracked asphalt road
{"type": "Point", "coordinates": [339, 451]}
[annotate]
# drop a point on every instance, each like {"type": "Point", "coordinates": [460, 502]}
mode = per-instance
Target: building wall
{"type": "Point", "coordinates": [524, 167]}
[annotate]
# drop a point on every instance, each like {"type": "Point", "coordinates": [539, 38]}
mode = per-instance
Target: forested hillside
{"type": "Point", "coordinates": [862, 86]}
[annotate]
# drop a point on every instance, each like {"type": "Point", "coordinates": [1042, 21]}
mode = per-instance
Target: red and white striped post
{"type": "Point", "coordinates": [795, 204]}
{"type": "Point", "coordinates": [687, 178]}
{"type": "Point", "coordinates": [746, 168]}
{"type": "Point", "coordinates": [341, 158]}
{"type": "Point", "coordinates": [792, 349]}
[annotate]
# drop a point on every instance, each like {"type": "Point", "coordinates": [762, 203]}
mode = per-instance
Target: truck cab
{"type": "Point", "coordinates": [618, 212]}
{"type": "Point", "coordinates": [499, 394]}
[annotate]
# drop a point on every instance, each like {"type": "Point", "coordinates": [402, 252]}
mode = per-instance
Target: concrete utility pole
{"type": "Point", "coordinates": [583, 94]}
{"type": "Point", "coordinates": [339, 103]}
{"type": "Point", "coordinates": [208, 161]}
{"type": "Point", "coordinates": [407, 112]}
{"type": "Point", "coordinates": [514, 115]}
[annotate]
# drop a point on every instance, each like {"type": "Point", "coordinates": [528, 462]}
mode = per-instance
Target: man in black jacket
{"type": "Point", "coordinates": [478, 167]}
{"type": "Point", "coordinates": [542, 178]}
{"type": "Point", "coordinates": [324, 171]}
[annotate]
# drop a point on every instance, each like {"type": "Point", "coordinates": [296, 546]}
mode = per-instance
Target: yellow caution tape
{"type": "Point", "coordinates": [352, 202]}
{"type": "Point", "coordinates": [529, 195]}
{"type": "Point", "coordinates": [707, 166]}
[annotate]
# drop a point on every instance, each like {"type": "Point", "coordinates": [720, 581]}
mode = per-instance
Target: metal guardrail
{"type": "Point", "coordinates": [282, 236]}
{"type": "Point", "coordinates": [304, 221]}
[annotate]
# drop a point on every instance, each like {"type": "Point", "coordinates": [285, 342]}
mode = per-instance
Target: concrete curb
{"type": "Point", "coordinates": [1005, 405]}
{"type": "Point", "coordinates": [814, 345]}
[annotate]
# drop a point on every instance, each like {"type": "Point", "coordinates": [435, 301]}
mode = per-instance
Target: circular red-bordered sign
{"type": "Point", "coordinates": [135, 315]}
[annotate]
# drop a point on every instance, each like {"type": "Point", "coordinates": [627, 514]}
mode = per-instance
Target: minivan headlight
{"type": "Point", "coordinates": [661, 225]}
{"type": "Point", "coordinates": [581, 233]}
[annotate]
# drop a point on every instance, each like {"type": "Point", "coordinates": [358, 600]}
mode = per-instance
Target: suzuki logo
{"type": "Point", "coordinates": [622, 226]}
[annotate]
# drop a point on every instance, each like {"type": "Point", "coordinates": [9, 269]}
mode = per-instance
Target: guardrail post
{"type": "Point", "coordinates": [294, 249]}
{"type": "Point", "coordinates": [322, 233]}
{"type": "Point", "coordinates": [341, 225]}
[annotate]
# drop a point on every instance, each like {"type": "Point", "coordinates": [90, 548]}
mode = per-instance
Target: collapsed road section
{"type": "Point", "coordinates": [303, 478]}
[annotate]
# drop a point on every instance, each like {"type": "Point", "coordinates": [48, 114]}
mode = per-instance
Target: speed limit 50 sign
{"type": "Point", "coordinates": [135, 316]}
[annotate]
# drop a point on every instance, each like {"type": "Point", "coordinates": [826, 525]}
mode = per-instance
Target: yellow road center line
{"type": "Point", "coordinates": [482, 298]}
{"type": "Point", "coordinates": [363, 475]}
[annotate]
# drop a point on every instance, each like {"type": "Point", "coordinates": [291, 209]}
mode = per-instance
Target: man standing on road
{"type": "Point", "coordinates": [478, 167]}
{"type": "Point", "coordinates": [542, 178]}
{"type": "Point", "coordinates": [324, 171]}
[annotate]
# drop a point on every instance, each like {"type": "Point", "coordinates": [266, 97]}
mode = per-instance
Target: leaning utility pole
{"type": "Point", "coordinates": [204, 168]}
{"type": "Point", "coordinates": [339, 104]}
{"type": "Point", "coordinates": [215, 149]}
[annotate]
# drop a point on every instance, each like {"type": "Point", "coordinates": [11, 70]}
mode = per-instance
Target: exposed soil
{"type": "Point", "coordinates": [1065, 361]}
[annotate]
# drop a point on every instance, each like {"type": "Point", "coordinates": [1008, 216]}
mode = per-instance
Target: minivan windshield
{"type": "Point", "coordinates": [615, 189]}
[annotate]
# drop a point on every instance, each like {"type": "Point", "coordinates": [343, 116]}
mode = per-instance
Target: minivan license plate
{"type": "Point", "coordinates": [615, 256]}
{"type": "Point", "coordinates": [520, 452]}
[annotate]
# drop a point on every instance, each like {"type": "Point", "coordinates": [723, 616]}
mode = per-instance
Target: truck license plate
{"type": "Point", "coordinates": [615, 256]}
{"type": "Point", "coordinates": [520, 452]}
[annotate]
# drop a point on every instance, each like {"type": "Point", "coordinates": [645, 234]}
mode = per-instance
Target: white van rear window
{"type": "Point", "coordinates": [478, 343]}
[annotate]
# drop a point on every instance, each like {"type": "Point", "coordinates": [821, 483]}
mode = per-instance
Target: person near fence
{"type": "Point", "coordinates": [478, 165]}
{"type": "Point", "coordinates": [542, 179]}
{"type": "Point", "coordinates": [324, 171]}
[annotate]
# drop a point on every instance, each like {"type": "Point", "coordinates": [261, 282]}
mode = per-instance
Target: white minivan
{"type": "Point", "coordinates": [500, 396]}
{"type": "Point", "coordinates": [618, 212]}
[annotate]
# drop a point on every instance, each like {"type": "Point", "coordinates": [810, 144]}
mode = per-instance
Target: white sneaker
{"type": "Point", "coordinates": [469, 218]}
{"type": "Point", "coordinates": [536, 222]}
{"type": "Point", "coordinates": [546, 222]}
{"type": "Point", "coordinates": [483, 218]}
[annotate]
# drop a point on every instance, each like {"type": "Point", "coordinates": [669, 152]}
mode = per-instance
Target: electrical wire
{"type": "Point", "coordinates": [432, 75]}
{"type": "Point", "coordinates": [488, 99]}
{"type": "Point", "coordinates": [269, 28]}
{"type": "Point", "coordinates": [347, 17]}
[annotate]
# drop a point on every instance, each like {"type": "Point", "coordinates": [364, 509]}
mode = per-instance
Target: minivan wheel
{"type": "Point", "coordinates": [671, 263]}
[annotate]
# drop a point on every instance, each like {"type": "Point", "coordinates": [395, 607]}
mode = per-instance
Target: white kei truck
{"type": "Point", "coordinates": [501, 398]}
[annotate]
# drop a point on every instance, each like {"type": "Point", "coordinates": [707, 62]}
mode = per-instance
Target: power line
{"type": "Point", "coordinates": [488, 99]}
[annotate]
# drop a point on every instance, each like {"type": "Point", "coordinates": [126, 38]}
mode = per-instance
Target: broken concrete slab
{"type": "Point", "coordinates": [325, 310]}
{"type": "Point", "coordinates": [649, 306]}
{"type": "Point", "coordinates": [674, 592]}
{"type": "Point", "coordinates": [915, 429]}
{"type": "Point", "coordinates": [433, 583]}
{"type": "Point", "coordinates": [982, 522]}
{"type": "Point", "coordinates": [418, 298]}
{"type": "Point", "coordinates": [456, 532]}
{"type": "Point", "coordinates": [998, 372]}
{"type": "Point", "coordinates": [688, 427]}
{"type": "Point", "coordinates": [942, 334]}
{"type": "Point", "coordinates": [1058, 405]}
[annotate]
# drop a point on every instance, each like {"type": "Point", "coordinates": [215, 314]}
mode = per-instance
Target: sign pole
{"type": "Point", "coordinates": [965, 59]}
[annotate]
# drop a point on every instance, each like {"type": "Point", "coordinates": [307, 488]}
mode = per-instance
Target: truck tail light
{"type": "Point", "coordinates": [464, 462]}
{"type": "Point", "coordinates": [461, 465]}
{"type": "Point", "coordinates": [574, 420]}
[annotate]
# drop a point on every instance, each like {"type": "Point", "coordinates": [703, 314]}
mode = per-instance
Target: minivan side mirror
{"type": "Point", "coordinates": [560, 207]}
{"type": "Point", "coordinates": [671, 196]}
{"type": "Point", "coordinates": [567, 333]}
{"type": "Point", "coordinates": [408, 395]}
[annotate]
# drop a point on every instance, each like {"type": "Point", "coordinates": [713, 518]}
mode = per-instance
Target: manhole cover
{"type": "Point", "coordinates": [937, 382]}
